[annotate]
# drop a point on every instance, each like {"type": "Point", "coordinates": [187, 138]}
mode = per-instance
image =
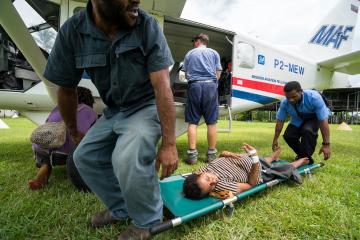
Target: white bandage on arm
{"type": "Point", "coordinates": [252, 152]}
{"type": "Point", "coordinates": [255, 159]}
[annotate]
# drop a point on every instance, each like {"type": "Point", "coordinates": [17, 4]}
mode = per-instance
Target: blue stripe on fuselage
{"type": "Point", "coordinates": [253, 97]}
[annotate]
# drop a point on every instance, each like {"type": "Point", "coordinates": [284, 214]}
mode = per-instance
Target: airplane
{"type": "Point", "coordinates": [259, 69]}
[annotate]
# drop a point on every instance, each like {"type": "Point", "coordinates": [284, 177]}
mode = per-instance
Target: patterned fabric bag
{"type": "Point", "coordinates": [49, 135]}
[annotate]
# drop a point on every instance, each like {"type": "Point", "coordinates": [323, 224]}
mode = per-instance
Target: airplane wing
{"type": "Point", "coordinates": [348, 63]}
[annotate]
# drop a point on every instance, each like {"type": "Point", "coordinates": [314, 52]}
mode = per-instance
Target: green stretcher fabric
{"type": "Point", "coordinates": [179, 206]}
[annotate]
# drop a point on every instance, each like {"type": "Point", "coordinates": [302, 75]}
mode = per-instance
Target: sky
{"type": "Point", "coordinates": [277, 21]}
{"type": "Point", "coordinates": [29, 16]}
{"type": "Point", "coordinates": [282, 22]}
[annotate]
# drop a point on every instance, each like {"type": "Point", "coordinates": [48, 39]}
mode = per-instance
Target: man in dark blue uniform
{"type": "Point", "coordinates": [125, 53]}
{"type": "Point", "coordinates": [308, 113]}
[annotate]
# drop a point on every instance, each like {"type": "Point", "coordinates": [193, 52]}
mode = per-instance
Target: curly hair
{"type": "Point", "coordinates": [85, 96]}
{"type": "Point", "coordinates": [191, 187]}
{"type": "Point", "coordinates": [293, 85]}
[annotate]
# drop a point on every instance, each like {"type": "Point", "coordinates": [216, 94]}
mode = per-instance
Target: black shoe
{"type": "Point", "coordinates": [102, 219]}
{"type": "Point", "coordinates": [134, 233]}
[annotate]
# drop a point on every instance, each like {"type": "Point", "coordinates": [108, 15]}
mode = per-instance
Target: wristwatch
{"type": "Point", "coordinates": [325, 143]}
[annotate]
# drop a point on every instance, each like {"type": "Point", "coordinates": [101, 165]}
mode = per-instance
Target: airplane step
{"type": "Point", "coordinates": [226, 130]}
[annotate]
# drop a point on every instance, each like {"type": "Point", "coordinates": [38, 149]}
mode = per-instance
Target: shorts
{"type": "Point", "coordinates": [202, 100]}
{"type": "Point", "coordinates": [53, 158]}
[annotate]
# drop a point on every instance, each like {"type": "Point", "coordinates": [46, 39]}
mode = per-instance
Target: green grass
{"type": "Point", "coordinates": [326, 206]}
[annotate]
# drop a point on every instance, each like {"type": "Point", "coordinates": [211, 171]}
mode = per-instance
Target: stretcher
{"type": "Point", "coordinates": [185, 210]}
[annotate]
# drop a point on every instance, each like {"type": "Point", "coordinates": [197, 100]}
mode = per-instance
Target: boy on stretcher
{"type": "Point", "coordinates": [235, 173]}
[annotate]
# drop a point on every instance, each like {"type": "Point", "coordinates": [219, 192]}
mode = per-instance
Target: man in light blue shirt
{"type": "Point", "coordinates": [308, 113]}
{"type": "Point", "coordinates": [202, 69]}
{"type": "Point", "coordinates": [202, 63]}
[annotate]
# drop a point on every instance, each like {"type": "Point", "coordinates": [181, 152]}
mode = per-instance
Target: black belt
{"type": "Point", "coordinates": [203, 81]}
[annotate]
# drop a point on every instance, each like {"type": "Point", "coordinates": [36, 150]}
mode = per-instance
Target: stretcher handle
{"type": "Point", "coordinates": [161, 227]}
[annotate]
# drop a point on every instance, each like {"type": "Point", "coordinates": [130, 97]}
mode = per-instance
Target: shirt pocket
{"type": "Point", "coordinates": [95, 65]}
{"type": "Point", "coordinates": [131, 62]}
{"type": "Point", "coordinates": [132, 51]}
{"type": "Point", "coordinates": [131, 56]}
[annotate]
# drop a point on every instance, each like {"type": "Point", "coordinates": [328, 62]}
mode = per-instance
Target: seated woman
{"type": "Point", "coordinates": [238, 172]}
{"type": "Point", "coordinates": [47, 158]}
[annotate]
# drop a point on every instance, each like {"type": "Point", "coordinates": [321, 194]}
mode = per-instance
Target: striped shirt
{"type": "Point", "coordinates": [230, 171]}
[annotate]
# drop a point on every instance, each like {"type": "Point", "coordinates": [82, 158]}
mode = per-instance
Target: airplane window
{"type": "Point", "coordinates": [245, 55]}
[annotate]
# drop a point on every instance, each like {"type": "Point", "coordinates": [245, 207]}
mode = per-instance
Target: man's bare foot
{"type": "Point", "coordinates": [33, 184]}
{"type": "Point", "coordinates": [300, 162]}
{"type": "Point", "coordinates": [41, 178]}
{"type": "Point", "coordinates": [274, 155]}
